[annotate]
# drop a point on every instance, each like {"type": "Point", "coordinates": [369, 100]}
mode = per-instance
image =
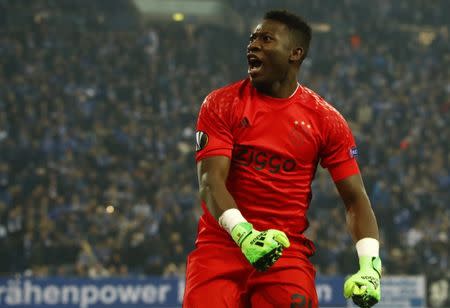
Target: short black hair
{"type": "Point", "coordinates": [296, 24]}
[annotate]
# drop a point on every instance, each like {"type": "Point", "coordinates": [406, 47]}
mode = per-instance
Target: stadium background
{"type": "Point", "coordinates": [98, 102]}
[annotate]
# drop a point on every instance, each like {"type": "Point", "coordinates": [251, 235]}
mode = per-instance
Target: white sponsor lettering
{"type": "Point", "coordinates": [149, 294]}
{"type": "Point", "coordinates": [23, 293]}
{"type": "Point", "coordinates": [51, 295]}
{"type": "Point", "coordinates": [108, 294]}
{"type": "Point", "coordinates": [129, 293]}
{"type": "Point", "coordinates": [89, 296]}
{"type": "Point", "coordinates": [14, 294]}
{"type": "Point", "coordinates": [162, 292]}
{"type": "Point", "coordinates": [70, 291]}
{"type": "Point", "coordinates": [324, 292]}
{"type": "Point", "coordinates": [181, 286]}
{"type": "Point", "coordinates": [32, 291]}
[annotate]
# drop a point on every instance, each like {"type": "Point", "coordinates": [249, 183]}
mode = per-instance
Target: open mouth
{"type": "Point", "coordinates": [254, 65]}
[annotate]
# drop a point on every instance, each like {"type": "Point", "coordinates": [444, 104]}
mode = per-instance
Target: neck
{"type": "Point", "coordinates": [281, 89]}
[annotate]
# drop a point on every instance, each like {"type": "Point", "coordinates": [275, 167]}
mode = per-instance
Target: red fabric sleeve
{"type": "Point", "coordinates": [344, 170]}
{"type": "Point", "coordinates": [213, 136]}
{"type": "Point", "coordinates": [339, 151]}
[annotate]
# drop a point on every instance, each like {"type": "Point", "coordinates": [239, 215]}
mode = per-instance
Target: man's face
{"type": "Point", "coordinates": [268, 53]}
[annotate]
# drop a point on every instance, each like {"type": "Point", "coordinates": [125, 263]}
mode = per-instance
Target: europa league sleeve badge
{"type": "Point", "coordinates": [201, 140]}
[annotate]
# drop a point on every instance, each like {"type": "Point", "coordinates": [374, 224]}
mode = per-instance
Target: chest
{"type": "Point", "coordinates": [289, 133]}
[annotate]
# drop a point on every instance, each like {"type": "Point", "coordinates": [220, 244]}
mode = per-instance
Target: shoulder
{"type": "Point", "coordinates": [225, 97]}
{"type": "Point", "coordinates": [224, 104]}
{"type": "Point", "coordinates": [324, 109]}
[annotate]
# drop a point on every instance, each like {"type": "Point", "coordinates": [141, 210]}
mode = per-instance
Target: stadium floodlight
{"type": "Point", "coordinates": [216, 12]}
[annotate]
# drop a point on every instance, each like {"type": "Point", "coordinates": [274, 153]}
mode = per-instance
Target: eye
{"type": "Point", "coordinates": [267, 38]}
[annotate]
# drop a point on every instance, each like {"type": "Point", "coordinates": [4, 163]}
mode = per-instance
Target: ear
{"type": "Point", "coordinates": [296, 54]}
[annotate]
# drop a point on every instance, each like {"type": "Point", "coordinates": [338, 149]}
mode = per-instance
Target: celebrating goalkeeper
{"type": "Point", "coordinates": [259, 142]}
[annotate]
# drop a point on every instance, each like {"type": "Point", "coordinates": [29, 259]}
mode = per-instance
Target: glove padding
{"type": "Point", "coordinates": [262, 249]}
{"type": "Point", "coordinates": [364, 286]}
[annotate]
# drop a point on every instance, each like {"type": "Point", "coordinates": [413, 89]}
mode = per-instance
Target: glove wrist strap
{"type": "Point", "coordinates": [230, 218]}
{"type": "Point", "coordinates": [368, 247]}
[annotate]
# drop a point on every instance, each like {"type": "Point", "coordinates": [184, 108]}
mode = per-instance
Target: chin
{"type": "Point", "coordinates": [259, 83]}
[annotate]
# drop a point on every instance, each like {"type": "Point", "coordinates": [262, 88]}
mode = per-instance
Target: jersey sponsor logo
{"type": "Point", "coordinates": [201, 140]}
{"type": "Point", "coordinates": [259, 160]}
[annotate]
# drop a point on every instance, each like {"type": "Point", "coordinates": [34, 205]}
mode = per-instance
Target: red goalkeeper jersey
{"type": "Point", "coordinates": [274, 146]}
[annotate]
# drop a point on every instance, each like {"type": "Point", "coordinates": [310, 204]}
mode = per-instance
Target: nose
{"type": "Point", "coordinates": [253, 46]}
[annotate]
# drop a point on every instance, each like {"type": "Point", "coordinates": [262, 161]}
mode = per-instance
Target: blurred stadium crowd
{"type": "Point", "coordinates": [97, 171]}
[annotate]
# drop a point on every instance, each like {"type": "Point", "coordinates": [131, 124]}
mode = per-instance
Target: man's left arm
{"type": "Point", "coordinates": [364, 286]}
{"type": "Point", "coordinates": [361, 220]}
{"type": "Point", "coordinates": [338, 155]}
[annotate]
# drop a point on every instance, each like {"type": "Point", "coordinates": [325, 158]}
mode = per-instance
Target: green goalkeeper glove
{"type": "Point", "coordinates": [364, 286]}
{"type": "Point", "coordinates": [262, 249]}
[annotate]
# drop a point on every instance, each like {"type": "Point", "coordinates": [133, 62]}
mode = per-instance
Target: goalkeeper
{"type": "Point", "coordinates": [258, 143]}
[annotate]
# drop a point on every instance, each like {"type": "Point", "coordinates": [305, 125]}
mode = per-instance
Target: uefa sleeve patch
{"type": "Point", "coordinates": [353, 152]}
{"type": "Point", "coordinates": [201, 140]}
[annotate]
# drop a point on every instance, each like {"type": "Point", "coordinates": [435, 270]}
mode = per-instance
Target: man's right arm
{"type": "Point", "coordinates": [212, 175]}
{"type": "Point", "coordinates": [262, 249]}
